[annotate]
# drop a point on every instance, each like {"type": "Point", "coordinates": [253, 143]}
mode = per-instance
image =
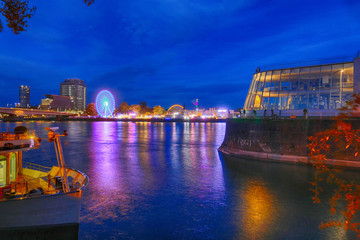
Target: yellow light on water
{"type": "Point", "coordinates": [260, 210]}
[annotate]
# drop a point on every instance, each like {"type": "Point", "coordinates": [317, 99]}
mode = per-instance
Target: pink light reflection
{"type": "Point", "coordinates": [204, 173]}
{"type": "Point", "coordinates": [109, 197]}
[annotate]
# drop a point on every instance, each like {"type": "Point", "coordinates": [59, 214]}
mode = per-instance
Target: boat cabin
{"type": "Point", "coordinates": [9, 167]}
{"type": "Point", "coordinates": [11, 147]}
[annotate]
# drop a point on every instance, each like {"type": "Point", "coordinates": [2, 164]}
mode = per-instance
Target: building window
{"type": "Point", "coordinates": [12, 167]}
{"type": "Point", "coordinates": [2, 170]}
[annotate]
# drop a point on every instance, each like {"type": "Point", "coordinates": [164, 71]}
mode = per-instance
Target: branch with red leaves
{"type": "Point", "coordinates": [321, 147]}
{"type": "Point", "coordinates": [18, 12]}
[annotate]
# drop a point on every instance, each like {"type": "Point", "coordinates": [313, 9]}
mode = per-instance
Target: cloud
{"type": "Point", "coordinates": [172, 50]}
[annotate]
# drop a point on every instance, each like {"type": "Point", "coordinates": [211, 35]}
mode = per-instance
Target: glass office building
{"type": "Point", "coordinates": [76, 90]}
{"type": "Point", "coordinates": [24, 96]}
{"type": "Point", "coordinates": [317, 87]}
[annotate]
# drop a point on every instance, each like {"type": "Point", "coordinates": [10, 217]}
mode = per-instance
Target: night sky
{"type": "Point", "coordinates": [167, 52]}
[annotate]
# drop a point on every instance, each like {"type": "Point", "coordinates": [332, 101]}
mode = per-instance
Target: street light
{"type": "Point", "coordinates": [341, 87]}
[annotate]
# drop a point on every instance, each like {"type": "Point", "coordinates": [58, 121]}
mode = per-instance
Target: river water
{"type": "Point", "coordinates": [168, 181]}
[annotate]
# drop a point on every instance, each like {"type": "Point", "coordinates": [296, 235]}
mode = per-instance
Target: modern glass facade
{"type": "Point", "coordinates": [76, 90]}
{"type": "Point", "coordinates": [319, 87]}
{"type": "Point", "coordinates": [24, 96]}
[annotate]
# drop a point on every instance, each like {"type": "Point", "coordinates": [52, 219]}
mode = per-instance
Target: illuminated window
{"type": "Point", "coordinates": [2, 170]}
{"type": "Point", "coordinates": [257, 102]}
{"type": "Point", "coordinates": [12, 167]}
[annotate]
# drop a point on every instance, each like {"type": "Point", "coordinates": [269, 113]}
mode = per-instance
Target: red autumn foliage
{"type": "Point", "coordinates": [18, 12]}
{"type": "Point", "coordinates": [340, 143]}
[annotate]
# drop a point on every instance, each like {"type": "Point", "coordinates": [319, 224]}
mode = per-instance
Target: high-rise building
{"type": "Point", "coordinates": [76, 90]}
{"type": "Point", "coordinates": [24, 96]}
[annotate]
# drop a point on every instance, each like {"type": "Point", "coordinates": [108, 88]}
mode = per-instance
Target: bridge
{"type": "Point", "coordinates": [32, 112]}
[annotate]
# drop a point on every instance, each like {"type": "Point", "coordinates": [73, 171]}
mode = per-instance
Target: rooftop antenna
{"type": "Point", "coordinates": [358, 54]}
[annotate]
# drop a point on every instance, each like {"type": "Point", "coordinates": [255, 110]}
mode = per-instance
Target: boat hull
{"type": "Point", "coordinates": [45, 210]}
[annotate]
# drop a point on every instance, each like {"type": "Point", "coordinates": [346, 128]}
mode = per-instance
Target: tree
{"type": "Point", "coordinates": [91, 110]}
{"type": "Point", "coordinates": [144, 109]}
{"type": "Point", "coordinates": [124, 108]}
{"type": "Point", "coordinates": [158, 110]}
{"type": "Point", "coordinates": [148, 110]}
{"type": "Point", "coordinates": [89, 2]}
{"type": "Point", "coordinates": [339, 143]}
{"type": "Point", "coordinates": [18, 12]}
{"type": "Point", "coordinates": [135, 108]}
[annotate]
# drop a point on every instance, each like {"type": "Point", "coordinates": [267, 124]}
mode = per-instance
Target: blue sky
{"type": "Point", "coordinates": [167, 52]}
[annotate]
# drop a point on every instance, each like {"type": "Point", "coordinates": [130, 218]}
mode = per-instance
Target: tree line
{"type": "Point", "coordinates": [139, 109]}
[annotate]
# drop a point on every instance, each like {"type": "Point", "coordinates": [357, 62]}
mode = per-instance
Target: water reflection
{"type": "Point", "coordinates": [132, 161]}
{"type": "Point", "coordinates": [168, 181]}
{"type": "Point", "coordinates": [259, 209]}
{"type": "Point", "coordinates": [108, 198]}
{"type": "Point", "coordinates": [204, 174]}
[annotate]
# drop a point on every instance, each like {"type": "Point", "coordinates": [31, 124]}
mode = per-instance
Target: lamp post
{"type": "Point", "coordinates": [341, 87]}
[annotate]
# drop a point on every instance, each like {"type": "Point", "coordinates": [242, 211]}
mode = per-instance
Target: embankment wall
{"type": "Point", "coordinates": [279, 140]}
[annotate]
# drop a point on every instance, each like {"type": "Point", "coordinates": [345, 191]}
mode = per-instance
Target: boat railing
{"type": "Point", "coordinates": [31, 187]}
{"type": "Point", "coordinates": [12, 136]}
{"type": "Point", "coordinates": [35, 166]}
{"type": "Point", "coordinates": [43, 180]}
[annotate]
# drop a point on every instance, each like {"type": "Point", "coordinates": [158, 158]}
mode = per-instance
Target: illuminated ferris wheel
{"type": "Point", "coordinates": [105, 103]}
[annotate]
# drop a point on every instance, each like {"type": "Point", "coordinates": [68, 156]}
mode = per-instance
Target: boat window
{"type": "Point", "coordinates": [12, 167]}
{"type": "Point", "coordinates": [2, 170]}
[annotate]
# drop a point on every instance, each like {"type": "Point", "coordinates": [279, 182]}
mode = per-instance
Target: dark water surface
{"type": "Point", "coordinates": [168, 181]}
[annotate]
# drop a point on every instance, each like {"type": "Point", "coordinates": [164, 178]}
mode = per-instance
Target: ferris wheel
{"type": "Point", "coordinates": [105, 103]}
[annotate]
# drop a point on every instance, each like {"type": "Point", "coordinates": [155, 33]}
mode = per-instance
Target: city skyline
{"type": "Point", "coordinates": [179, 51]}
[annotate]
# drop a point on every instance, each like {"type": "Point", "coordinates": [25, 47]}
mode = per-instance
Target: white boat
{"type": "Point", "coordinates": [32, 195]}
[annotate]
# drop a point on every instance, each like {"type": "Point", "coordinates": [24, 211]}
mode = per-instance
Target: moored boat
{"type": "Point", "coordinates": [32, 195]}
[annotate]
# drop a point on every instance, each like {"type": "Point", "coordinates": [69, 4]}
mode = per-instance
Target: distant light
{"type": "Point", "coordinates": [222, 110]}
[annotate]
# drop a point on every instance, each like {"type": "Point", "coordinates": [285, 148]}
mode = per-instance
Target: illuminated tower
{"type": "Point", "coordinates": [76, 90]}
{"type": "Point", "coordinates": [196, 103]}
{"type": "Point", "coordinates": [24, 96]}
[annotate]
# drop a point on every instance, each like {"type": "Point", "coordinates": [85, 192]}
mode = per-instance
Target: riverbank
{"type": "Point", "coordinates": [113, 120]}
